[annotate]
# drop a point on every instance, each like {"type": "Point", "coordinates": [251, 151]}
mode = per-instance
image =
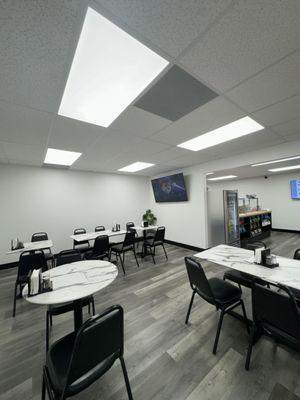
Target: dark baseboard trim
{"type": "Point", "coordinates": [185, 246]}
{"type": "Point", "coordinates": [9, 265]}
{"type": "Point", "coordinates": [285, 230]}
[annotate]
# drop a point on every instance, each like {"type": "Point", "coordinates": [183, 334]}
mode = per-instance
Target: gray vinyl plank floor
{"type": "Point", "coordinates": [166, 359]}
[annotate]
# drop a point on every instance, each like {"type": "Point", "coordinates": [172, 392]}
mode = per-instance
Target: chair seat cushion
{"type": "Point", "coordinates": [118, 248]}
{"type": "Point", "coordinates": [57, 363]}
{"type": "Point", "coordinates": [296, 294]}
{"type": "Point", "coordinates": [224, 292]}
{"type": "Point", "coordinates": [90, 255]}
{"type": "Point", "coordinates": [242, 278]}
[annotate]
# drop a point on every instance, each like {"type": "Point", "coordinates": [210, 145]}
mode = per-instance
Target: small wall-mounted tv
{"type": "Point", "coordinates": [169, 188]}
{"type": "Point", "coordinates": [295, 189]}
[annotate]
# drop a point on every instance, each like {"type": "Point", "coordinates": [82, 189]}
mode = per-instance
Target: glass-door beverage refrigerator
{"type": "Point", "coordinates": [231, 217]}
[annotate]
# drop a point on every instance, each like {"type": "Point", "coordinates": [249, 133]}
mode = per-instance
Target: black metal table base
{"type": "Point", "coordinates": [78, 314]}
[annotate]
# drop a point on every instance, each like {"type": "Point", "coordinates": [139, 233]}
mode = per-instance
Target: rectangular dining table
{"type": "Point", "coordinates": [92, 235]}
{"type": "Point", "coordinates": [30, 246]}
{"type": "Point", "coordinates": [287, 273]}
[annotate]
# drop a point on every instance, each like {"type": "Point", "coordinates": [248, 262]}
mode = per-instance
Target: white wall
{"type": "Point", "coordinates": [57, 201]}
{"type": "Point", "coordinates": [187, 222]}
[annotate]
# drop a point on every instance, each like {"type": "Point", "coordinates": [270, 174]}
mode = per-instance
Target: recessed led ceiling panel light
{"type": "Point", "coordinates": [61, 157]}
{"type": "Point", "coordinates": [137, 166]}
{"type": "Point", "coordinates": [109, 70]}
{"type": "Point", "coordinates": [234, 130]}
{"type": "Point", "coordinates": [275, 161]}
{"type": "Point", "coordinates": [222, 178]}
{"type": "Point", "coordinates": [285, 168]}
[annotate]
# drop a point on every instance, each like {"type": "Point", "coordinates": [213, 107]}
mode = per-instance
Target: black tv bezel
{"type": "Point", "coordinates": [170, 201]}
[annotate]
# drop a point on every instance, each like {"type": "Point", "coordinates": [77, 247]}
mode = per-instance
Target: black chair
{"type": "Point", "coordinates": [297, 254]}
{"type": "Point", "coordinates": [65, 257]}
{"type": "Point", "coordinates": [130, 227]}
{"type": "Point", "coordinates": [242, 278]}
{"type": "Point", "coordinates": [296, 292]}
{"type": "Point", "coordinates": [100, 250]}
{"type": "Point", "coordinates": [99, 228]}
{"type": "Point", "coordinates": [223, 295]}
{"type": "Point", "coordinates": [122, 248]}
{"type": "Point", "coordinates": [157, 240]}
{"type": "Point", "coordinates": [82, 246]}
{"type": "Point", "coordinates": [274, 314]}
{"type": "Point", "coordinates": [28, 261]}
{"type": "Point", "coordinates": [38, 237]}
{"type": "Point", "coordinates": [76, 361]}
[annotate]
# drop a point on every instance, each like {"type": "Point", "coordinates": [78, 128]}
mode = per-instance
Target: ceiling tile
{"type": "Point", "coordinates": [170, 24]}
{"type": "Point", "coordinates": [37, 42]}
{"type": "Point", "coordinates": [289, 130]}
{"type": "Point", "coordinates": [24, 154]}
{"type": "Point", "coordinates": [270, 86]}
{"type": "Point", "coordinates": [167, 155]}
{"type": "Point", "coordinates": [187, 94]}
{"type": "Point", "coordinates": [74, 135]}
{"type": "Point", "coordinates": [212, 115]}
{"type": "Point", "coordinates": [23, 125]}
{"type": "Point", "coordinates": [251, 36]}
{"type": "Point", "coordinates": [279, 112]}
{"type": "Point", "coordinates": [139, 122]}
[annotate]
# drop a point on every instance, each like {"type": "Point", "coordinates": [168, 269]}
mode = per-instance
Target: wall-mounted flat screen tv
{"type": "Point", "coordinates": [169, 188]}
{"type": "Point", "coordinates": [295, 189]}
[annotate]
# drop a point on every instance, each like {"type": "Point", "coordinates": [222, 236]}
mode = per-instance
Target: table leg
{"type": "Point", "coordinates": [144, 252]}
{"type": "Point", "coordinates": [78, 317]}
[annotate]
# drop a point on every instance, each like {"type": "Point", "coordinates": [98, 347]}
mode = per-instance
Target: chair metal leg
{"type": "Point", "coordinates": [137, 263]}
{"type": "Point", "coordinates": [126, 378]}
{"type": "Point", "coordinates": [122, 263]}
{"type": "Point", "coordinates": [152, 255]}
{"type": "Point", "coordinates": [218, 332]}
{"type": "Point", "coordinates": [93, 306]}
{"type": "Point", "coordinates": [249, 352]}
{"type": "Point", "coordinates": [43, 389]}
{"type": "Point", "coordinates": [245, 315]}
{"type": "Point", "coordinates": [47, 330]}
{"type": "Point", "coordinates": [190, 307]}
{"type": "Point", "coordinates": [15, 300]}
{"type": "Point", "coordinates": [165, 252]}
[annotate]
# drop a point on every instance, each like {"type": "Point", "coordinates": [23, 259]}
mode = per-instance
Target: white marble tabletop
{"type": "Point", "coordinates": [288, 272]}
{"type": "Point", "coordinates": [93, 235]}
{"type": "Point", "coordinates": [42, 244]}
{"type": "Point", "coordinates": [74, 281]}
{"type": "Point", "coordinates": [145, 228]}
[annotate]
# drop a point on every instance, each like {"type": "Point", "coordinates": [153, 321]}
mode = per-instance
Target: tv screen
{"type": "Point", "coordinates": [295, 189]}
{"type": "Point", "coordinates": [169, 188]}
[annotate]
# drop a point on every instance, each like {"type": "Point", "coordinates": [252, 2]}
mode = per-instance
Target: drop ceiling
{"type": "Point", "coordinates": [248, 53]}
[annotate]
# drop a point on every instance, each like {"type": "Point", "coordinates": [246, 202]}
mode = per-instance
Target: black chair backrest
{"type": "Point", "coordinates": [80, 231]}
{"type": "Point", "coordinates": [37, 237]}
{"type": "Point", "coordinates": [198, 279]}
{"type": "Point", "coordinates": [100, 338]}
{"type": "Point", "coordinates": [256, 245]}
{"type": "Point", "coordinates": [297, 254]}
{"type": "Point", "coordinates": [99, 228]}
{"type": "Point", "coordinates": [276, 311]}
{"type": "Point", "coordinates": [30, 260]}
{"type": "Point", "coordinates": [68, 256]}
{"type": "Point", "coordinates": [101, 245]}
{"type": "Point", "coordinates": [129, 239]}
{"type": "Point", "coordinates": [160, 234]}
{"type": "Point", "coordinates": [129, 225]}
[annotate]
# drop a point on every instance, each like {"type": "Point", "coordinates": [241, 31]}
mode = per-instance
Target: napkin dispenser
{"type": "Point", "coordinates": [16, 244]}
{"type": "Point", "coordinates": [145, 224]}
{"type": "Point", "coordinates": [37, 284]}
{"type": "Point", "coordinates": [263, 256]}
